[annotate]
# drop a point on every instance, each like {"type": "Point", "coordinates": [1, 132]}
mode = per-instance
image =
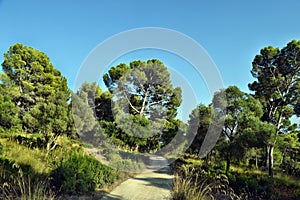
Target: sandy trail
{"type": "Point", "coordinates": [155, 184]}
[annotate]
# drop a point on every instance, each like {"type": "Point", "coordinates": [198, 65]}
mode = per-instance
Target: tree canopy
{"type": "Point", "coordinates": [38, 90]}
{"type": "Point", "coordinates": [145, 102]}
{"type": "Point", "coordinates": [277, 87]}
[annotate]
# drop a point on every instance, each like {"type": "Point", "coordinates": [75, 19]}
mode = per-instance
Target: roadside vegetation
{"type": "Point", "coordinates": [55, 143]}
{"type": "Point", "coordinates": [258, 152]}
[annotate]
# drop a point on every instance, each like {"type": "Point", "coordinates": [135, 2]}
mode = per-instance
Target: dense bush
{"type": "Point", "coordinates": [124, 161]}
{"type": "Point", "coordinates": [81, 174]}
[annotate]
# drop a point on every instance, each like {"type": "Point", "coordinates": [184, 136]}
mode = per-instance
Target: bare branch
{"type": "Point", "coordinates": [156, 102]}
{"type": "Point", "coordinates": [95, 105]}
{"type": "Point", "coordinates": [136, 110]}
{"type": "Point", "coordinates": [144, 102]}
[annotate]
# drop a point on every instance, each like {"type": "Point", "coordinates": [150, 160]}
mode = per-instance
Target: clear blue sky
{"type": "Point", "coordinates": [232, 32]}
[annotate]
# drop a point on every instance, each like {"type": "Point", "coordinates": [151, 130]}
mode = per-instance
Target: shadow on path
{"type": "Point", "coordinates": [151, 185]}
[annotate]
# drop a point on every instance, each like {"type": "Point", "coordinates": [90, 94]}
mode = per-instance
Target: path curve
{"type": "Point", "coordinates": [155, 184]}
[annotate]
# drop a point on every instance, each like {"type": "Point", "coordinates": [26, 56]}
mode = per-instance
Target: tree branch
{"type": "Point", "coordinates": [136, 110]}
{"type": "Point", "coordinates": [156, 102]}
{"type": "Point", "coordinates": [144, 102]}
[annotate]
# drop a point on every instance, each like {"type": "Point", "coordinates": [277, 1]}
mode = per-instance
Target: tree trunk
{"type": "Point", "coordinates": [271, 161]}
{"type": "Point", "coordinates": [267, 157]}
{"type": "Point", "coordinates": [256, 159]}
{"type": "Point", "coordinates": [227, 164]}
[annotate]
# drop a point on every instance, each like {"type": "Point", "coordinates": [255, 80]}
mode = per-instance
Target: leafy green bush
{"type": "Point", "coordinates": [82, 174]}
{"type": "Point", "coordinates": [124, 161]}
{"type": "Point", "coordinates": [128, 165]}
{"type": "Point", "coordinates": [9, 133]}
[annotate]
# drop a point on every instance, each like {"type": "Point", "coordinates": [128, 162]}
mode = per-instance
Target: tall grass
{"type": "Point", "coordinates": [190, 185]}
{"type": "Point", "coordinates": [36, 158]}
{"type": "Point", "coordinates": [22, 187]}
{"type": "Point", "coordinates": [186, 188]}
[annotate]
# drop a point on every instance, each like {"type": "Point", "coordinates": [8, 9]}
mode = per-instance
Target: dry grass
{"type": "Point", "coordinates": [189, 186]}
{"type": "Point", "coordinates": [24, 187]}
{"type": "Point", "coordinates": [188, 189]}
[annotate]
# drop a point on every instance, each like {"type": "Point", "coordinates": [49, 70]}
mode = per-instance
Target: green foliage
{"type": "Point", "coordinates": [96, 99]}
{"type": "Point", "coordinates": [289, 149]}
{"type": "Point", "coordinates": [123, 161]}
{"type": "Point", "coordinates": [82, 174]}
{"type": "Point", "coordinates": [143, 91]}
{"type": "Point", "coordinates": [200, 120]}
{"type": "Point", "coordinates": [277, 87]}
{"type": "Point", "coordinates": [66, 164]}
{"type": "Point", "coordinates": [252, 186]}
{"type": "Point", "coordinates": [38, 90]}
{"type": "Point", "coordinates": [242, 183]}
{"type": "Point", "coordinates": [33, 159]}
{"type": "Point", "coordinates": [151, 99]}
{"type": "Point", "coordinates": [174, 138]}
{"type": "Point", "coordinates": [147, 88]}
{"type": "Point", "coordinates": [34, 98]}
{"type": "Point", "coordinates": [30, 142]}
{"type": "Point", "coordinates": [8, 112]}
{"type": "Point", "coordinates": [121, 139]}
{"type": "Point", "coordinates": [53, 114]}
{"type": "Point", "coordinates": [240, 125]}
{"type": "Point", "coordinates": [83, 115]}
{"type": "Point", "coordinates": [258, 185]}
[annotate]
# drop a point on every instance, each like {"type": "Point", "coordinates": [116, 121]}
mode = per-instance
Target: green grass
{"type": "Point", "coordinates": [278, 176]}
{"type": "Point", "coordinates": [258, 182]}
{"type": "Point", "coordinates": [36, 165]}
{"type": "Point", "coordinates": [248, 182]}
{"type": "Point", "coordinates": [36, 158]}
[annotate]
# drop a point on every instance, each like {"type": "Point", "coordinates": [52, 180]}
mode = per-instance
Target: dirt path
{"type": "Point", "coordinates": [151, 185]}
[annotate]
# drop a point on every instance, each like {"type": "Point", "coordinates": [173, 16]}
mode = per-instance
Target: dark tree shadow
{"type": "Point", "coordinates": [111, 197]}
{"type": "Point", "coordinates": [165, 183]}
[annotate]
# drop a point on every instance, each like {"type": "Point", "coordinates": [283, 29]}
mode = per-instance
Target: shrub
{"type": "Point", "coordinates": [82, 174]}
{"type": "Point", "coordinates": [124, 161]}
